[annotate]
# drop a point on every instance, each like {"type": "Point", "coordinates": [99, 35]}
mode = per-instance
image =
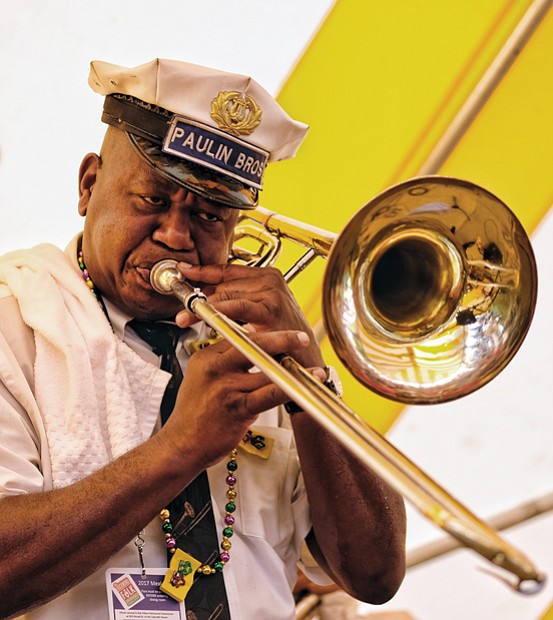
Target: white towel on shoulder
{"type": "Point", "coordinates": [91, 389]}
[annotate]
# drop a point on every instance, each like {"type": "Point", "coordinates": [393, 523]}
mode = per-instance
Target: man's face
{"type": "Point", "coordinates": [134, 218]}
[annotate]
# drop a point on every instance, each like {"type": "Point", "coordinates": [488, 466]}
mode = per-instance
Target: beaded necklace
{"type": "Point", "coordinates": [177, 578]}
{"type": "Point", "coordinates": [218, 565]}
{"type": "Point", "coordinates": [86, 276]}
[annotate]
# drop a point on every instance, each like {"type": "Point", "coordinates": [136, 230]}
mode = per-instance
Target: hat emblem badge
{"type": "Point", "coordinates": [235, 113]}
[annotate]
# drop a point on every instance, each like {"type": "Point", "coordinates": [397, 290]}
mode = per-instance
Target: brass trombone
{"type": "Point", "coordinates": [429, 291]}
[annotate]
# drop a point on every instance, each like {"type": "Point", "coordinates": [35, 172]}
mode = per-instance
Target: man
{"type": "Point", "coordinates": [86, 464]}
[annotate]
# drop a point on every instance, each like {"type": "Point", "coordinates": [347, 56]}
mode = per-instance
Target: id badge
{"type": "Point", "coordinates": [133, 596]}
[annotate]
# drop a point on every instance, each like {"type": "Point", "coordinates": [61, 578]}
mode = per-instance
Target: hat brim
{"type": "Point", "coordinates": [198, 179]}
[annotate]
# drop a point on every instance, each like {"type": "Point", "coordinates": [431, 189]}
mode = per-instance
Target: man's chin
{"type": "Point", "coordinates": [149, 306]}
{"type": "Point", "coordinates": [138, 299]}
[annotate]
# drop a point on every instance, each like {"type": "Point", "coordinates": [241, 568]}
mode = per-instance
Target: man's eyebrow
{"type": "Point", "coordinates": [223, 210]}
{"type": "Point", "coordinates": [155, 183]}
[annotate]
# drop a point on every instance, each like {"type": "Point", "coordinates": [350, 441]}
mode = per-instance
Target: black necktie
{"type": "Point", "coordinates": [191, 511]}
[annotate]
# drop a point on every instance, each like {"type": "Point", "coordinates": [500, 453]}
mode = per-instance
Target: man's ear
{"type": "Point", "coordinates": [87, 178]}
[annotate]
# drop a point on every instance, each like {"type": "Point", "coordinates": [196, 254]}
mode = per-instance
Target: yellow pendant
{"type": "Point", "coordinates": [179, 577]}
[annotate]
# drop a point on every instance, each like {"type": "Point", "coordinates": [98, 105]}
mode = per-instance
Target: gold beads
{"type": "Point", "coordinates": [226, 544]}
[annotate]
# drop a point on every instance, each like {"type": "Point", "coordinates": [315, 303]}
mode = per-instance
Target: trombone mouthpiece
{"type": "Point", "coordinates": [162, 274]}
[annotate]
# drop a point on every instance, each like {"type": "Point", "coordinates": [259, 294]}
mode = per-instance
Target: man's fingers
{"type": "Point", "coordinates": [213, 274]}
{"type": "Point", "coordinates": [264, 398]}
{"type": "Point", "coordinates": [273, 343]}
{"type": "Point", "coordinates": [237, 309]}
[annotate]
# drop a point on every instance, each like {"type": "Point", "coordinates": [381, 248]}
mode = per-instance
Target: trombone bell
{"type": "Point", "coordinates": [430, 290]}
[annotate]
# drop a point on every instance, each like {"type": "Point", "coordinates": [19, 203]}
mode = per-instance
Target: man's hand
{"type": "Point", "coordinates": [220, 397]}
{"type": "Point", "coordinates": [257, 297]}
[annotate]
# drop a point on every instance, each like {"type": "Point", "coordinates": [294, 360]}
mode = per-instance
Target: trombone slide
{"type": "Point", "coordinates": [365, 443]}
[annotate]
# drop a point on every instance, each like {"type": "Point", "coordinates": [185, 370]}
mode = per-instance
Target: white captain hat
{"type": "Point", "coordinates": [210, 131]}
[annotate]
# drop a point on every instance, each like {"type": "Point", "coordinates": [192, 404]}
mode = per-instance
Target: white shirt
{"type": "Point", "coordinates": [272, 517]}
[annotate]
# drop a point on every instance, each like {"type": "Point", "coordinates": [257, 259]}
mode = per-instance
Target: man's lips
{"type": "Point", "coordinates": [144, 273]}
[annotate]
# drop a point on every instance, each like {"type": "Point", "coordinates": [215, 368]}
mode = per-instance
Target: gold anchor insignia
{"type": "Point", "coordinates": [235, 112]}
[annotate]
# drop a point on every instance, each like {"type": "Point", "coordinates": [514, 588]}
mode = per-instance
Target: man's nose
{"type": "Point", "coordinates": [174, 230]}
